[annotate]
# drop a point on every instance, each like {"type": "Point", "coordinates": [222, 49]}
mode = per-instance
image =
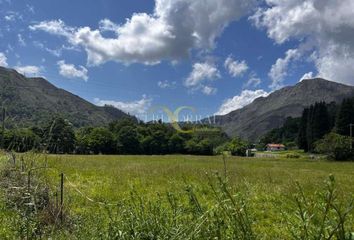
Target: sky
{"type": "Point", "coordinates": [213, 55]}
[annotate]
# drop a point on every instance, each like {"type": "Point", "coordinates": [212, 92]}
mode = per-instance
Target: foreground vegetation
{"type": "Point", "coordinates": [179, 197]}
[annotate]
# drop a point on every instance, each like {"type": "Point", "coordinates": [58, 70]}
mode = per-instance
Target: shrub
{"type": "Point", "coordinates": [335, 146]}
{"type": "Point", "coordinates": [237, 147]}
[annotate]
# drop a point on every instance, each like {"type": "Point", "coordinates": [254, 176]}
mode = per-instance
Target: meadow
{"type": "Point", "coordinates": [185, 197]}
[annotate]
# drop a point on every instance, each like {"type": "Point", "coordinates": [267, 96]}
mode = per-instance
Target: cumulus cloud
{"type": "Point", "coordinates": [245, 98]}
{"type": "Point", "coordinates": [29, 70]}
{"type": "Point", "coordinates": [253, 80]}
{"type": "Point", "coordinates": [279, 70]}
{"type": "Point", "coordinates": [3, 60]}
{"type": "Point", "coordinates": [328, 26]}
{"type": "Point", "coordinates": [202, 74]}
{"type": "Point", "coordinates": [137, 107]}
{"type": "Point", "coordinates": [70, 71]}
{"type": "Point", "coordinates": [235, 68]}
{"type": "Point", "coordinates": [169, 33]}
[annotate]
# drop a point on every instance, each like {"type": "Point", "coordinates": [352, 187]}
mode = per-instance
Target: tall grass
{"type": "Point", "coordinates": [215, 209]}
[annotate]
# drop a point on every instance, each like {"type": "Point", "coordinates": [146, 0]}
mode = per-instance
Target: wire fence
{"type": "Point", "coordinates": [64, 180]}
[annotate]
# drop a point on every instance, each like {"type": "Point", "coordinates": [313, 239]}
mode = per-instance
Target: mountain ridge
{"type": "Point", "coordinates": [31, 101]}
{"type": "Point", "coordinates": [267, 113]}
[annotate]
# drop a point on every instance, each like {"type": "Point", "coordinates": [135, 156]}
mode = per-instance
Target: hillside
{"type": "Point", "coordinates": [266, 113]}
{"type": "Point", "coordinates": [30, 101]}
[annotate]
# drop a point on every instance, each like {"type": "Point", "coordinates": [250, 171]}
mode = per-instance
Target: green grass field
{"type": "Point", "coordinates": [268, 186]}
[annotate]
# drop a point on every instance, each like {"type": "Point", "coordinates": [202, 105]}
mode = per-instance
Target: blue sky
{"type": "Point", "coordinates": [213, 55]}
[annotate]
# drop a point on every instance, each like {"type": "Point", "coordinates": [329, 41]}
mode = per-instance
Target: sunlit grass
{"type": "Point", "coordinates": [267, 184]}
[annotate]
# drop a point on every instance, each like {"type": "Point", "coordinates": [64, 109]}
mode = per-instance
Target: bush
{"type": "Point", "coordinates": [335, 146]}
{"type": "Point", "coordinates": [237, 147]}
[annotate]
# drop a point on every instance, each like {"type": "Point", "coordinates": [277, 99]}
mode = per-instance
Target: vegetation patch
{"type": "Point", "coordinates": [144, 197]}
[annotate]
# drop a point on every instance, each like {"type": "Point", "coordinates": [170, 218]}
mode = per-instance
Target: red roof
{"type": "Point", "coordinates": [272, 145]}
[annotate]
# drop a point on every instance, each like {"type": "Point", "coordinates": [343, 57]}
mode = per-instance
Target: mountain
{"type": "Point", "coordinates": [267, 113]}
{"type": "Point", "coordinates": [30, 101]}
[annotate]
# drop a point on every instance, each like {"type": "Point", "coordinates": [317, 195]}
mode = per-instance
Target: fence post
{"type": "Point", "coordinates": [29, 181]}
{"type": "Point", "coordinates": [61, 196]}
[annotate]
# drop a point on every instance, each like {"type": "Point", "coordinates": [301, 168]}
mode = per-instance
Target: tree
{"type": "Point", "coordinates": [345, 117]}
{"type": "Point", "coordinates": [159, 144]}
{"type": "Point", "coordinates": [176, 143]}
{"type": "Point", "coordinates": [315, 123]}
{"type": "Point", "coordinates": [206, 147]}
{"type": "Point", "coordinates": [321, 123]}
{"type": "Point", "coordinates": [82, 140]}
{"type": "Point", "coordinates": [192, 146]}
{"type": "Point", "coordinates": [117, 125]}
{"type": "Point", "coordinates": [100, 140]}
{"type": "Point", "coordinates": [59, 136]}
{"type": "Point", "coordinates": [336, 146]}
{"type": "Point", "coordinates": [127, 140]}
{"type": "Point", "coordinates": [302, 135]}
{"type": "Point", "coordinates": [203, 147]}
{"type": "Point", "coordinates": [237, 147]}
{"type": "Point", "coordinates": [288, 133]}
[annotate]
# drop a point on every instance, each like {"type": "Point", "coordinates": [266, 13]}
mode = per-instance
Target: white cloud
{"type": "Point", "coordinates": [245, 98]}
{"type": "Point", "coordinates": [137, 107]}
{"type": "Point", "coordinates": [166, 84]}
{"type": "Point", "coordinates": [326, 26]}
{"type": "Point", "coordinates": [57, 52]}
{"type": "Point", "coordinates": [12, 16]}
{"type": "Point", "coordinates": [202, 74]}
{"type": "Point", "coordinates": [336, 63]}
{"type": "Point", "coordinates": [279, 70]}
{"type": "Point", "coordinates": [235, 68]}
{"type": "Point", "coordinates": [3, 60]}
{"type": "Point", "coordinates": [70, 71]}
{"type": "Point", "coordinates": [21, 41]}
{"type": "Point", "coordinates": [169, 33]}
{"type": "Point", "coordinates": [107, 25]}
{"type": "Point", "coordinates": [55, 27]}
{"type": "Point", "coordinates": [207, 90]}
{"type": "Point", "coordinates": [253, 81]}
{"type": "Point", "coordinates": [29, 70]}
{"type": "Point", "coordinates": [308, 75]}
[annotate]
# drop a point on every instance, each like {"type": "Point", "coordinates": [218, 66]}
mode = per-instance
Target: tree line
{"type": "Point", "coordinates": [322, 128]}
{"type": "Point", "coordinates": [125, 136]}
